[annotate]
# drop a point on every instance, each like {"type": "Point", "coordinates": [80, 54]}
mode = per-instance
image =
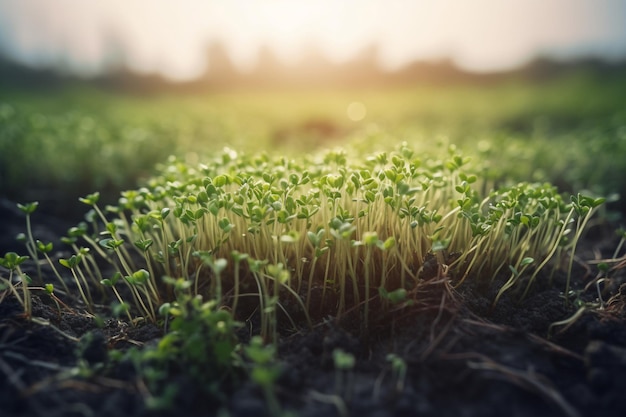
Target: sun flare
{"type": "Point", "coordinates": [170, 38]}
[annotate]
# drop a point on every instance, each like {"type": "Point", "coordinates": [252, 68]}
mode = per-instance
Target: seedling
{"type": "Point", "coordinates": [31, 246]}
{"type": "Point", "coordinates": [398, 370]}
{"type": "Point", "coordinates": [200, 344]}
{"type": "Point", "coordinates": [264, 370]}
{"type": "Point", "coordinates": [72, 263]}
{"type": "Point", "coordinates": [344, 378]}
{"type": "Point", "coordinates": [12, 262]}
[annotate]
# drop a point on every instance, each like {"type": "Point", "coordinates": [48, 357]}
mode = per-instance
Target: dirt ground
{"type": "Point", "coordinates": [463, 357]}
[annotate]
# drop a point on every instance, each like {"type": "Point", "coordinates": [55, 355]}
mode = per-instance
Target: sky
{"type": "Point", "coordinates": [170, 37]}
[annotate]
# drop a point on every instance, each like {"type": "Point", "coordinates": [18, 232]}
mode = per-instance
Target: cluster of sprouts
{"type": "Point", "coordinates": [329, 233]}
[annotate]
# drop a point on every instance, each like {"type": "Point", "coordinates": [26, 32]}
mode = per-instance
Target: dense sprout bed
{"type": "Point", "coordinates": [332, 232]}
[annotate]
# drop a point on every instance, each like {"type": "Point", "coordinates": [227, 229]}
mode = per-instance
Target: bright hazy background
{"type": "Point", "coordinates": [170, 37]}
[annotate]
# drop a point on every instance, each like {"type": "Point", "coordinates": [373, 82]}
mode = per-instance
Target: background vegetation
{"type": "Point", "coordinates": [58, 144]}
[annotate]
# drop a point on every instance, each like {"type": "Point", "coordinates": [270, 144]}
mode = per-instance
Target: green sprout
{"type": "Point", "coordinates": [200, 343]}
{"type": "Point", "coordinates": [398, 370]}
{"type": "Point", "coordinates": [12, 262]}
{"type": "Point", "coordinates": [264, 370]}
{"type": "Point", "coordinates": [28, 209]}
{"type": "Point", "coordinates": [344, 377]}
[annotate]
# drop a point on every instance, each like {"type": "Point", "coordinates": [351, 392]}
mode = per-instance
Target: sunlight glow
{"type": "Point", "coordinates": [171, 37]}
{"type": "Point", "coordinates": [356, 111]}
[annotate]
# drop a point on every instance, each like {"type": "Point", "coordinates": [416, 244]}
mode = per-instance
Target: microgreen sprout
{"type": "Point", "coordinates": [72, 263]}
{"type": "Point", "coordinates": [344, 377]}
{"type": "Point", "coordinates": [45, 249]}
{"type": "Point", "coordinates": [200, 343]}
{"type": "Point", "coordinates": [49, 289]}
{"type": "Point", "coordinates": [28, 209]}
{"type": "Point", "coordinates": [12, 262]}
{"type": "Point", "coordinates": [398, 370]}
{"type": "Point", "coordinates": [264, 370]}
{"type": "Point", "coordinates": [584, 207]}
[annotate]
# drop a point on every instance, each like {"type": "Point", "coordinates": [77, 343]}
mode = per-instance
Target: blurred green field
{"type": "Point", "coordinates": [56, 146]}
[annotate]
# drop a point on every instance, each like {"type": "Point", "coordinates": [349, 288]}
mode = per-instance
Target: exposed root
{"type": "Point", "coordinates": [616, 305]}
{"type": "Point", "coordinates": [335, 400]}
{"type": "Point", "coordinates": [548, 345]}
{"type": "Point", "coordinates": [525, 379]}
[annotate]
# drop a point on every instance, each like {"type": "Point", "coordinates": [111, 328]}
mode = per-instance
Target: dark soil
{"type": "Point", "coordinates": [463, 357]}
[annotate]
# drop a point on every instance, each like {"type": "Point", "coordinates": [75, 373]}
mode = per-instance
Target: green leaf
{"type": "Point", "coordinates": [439, 245]}
{"type": "Point", "coordinates": [389, 243]}
{"type": "Point", "coordinates": [397, 161]}
{"type": "Point", "coordinates": [391, 175]}
{"type": "Point", "coordinates": [71, 262]}
{"type": "Point", "coordinates": [269, 178]}
{"type": "Point", "coordinates": [370, 238]}
{"type": "Point", "coordinates": [404, 188]}
{"type": "Point", "coordinates": [111, 227]}
{"type": "Point", "coordinates": [278, 272]}
{"type": "Point", "coordinates": [141, 276]}
{"type": "Point", "coordinates": [237, 256]}
{"type": "Point", "coordinates": [219, 265]}
{"type": "Point", "coordinates": [265, 376]}
{"type": "Point", "coordinates": [68, 240]}
{"type": "Point", "coordinates": [526, 261]}
{"type": "Point", "coordinates": [77, 231]}
{"type": "Point", "coordinates": [220, 181]}
{"type": "Point", "coordinates": [28, 208]}
{"type": "Point", "coordinates": [110, 243]}
{"type": "Point", "coordinates": [12, 260]}
{"type": "Point", "coordinates": [143, 244]}
{"type": "Point", "coordinates": [288, 239]}
{"type": "Point", "coordinates": [343, 360]}
{"type": "Point", "coordinates": [119, 309]}
{"type": "Point", "coordinates": [258, 353]}
{"type": "Point", "coordinates": [44, 247]}
{"type": "Point", "coordinates": [90, 199]}
{"type": "Point", "coordinates": [313, 238]}
{"type": "Point", "coordinates": [225, 225]}
{"type": "Point", "coordinates": [395, 297]}
{"type": "Point", "coordinates": [598, 201]}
